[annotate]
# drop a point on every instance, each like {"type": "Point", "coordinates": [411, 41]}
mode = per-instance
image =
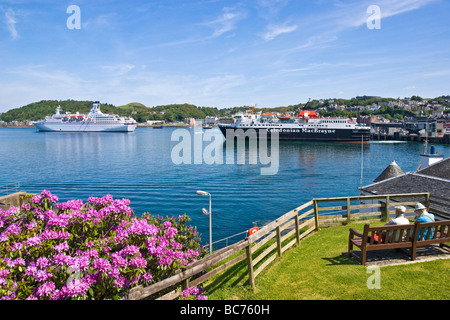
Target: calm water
{"type": "Point", "coordinates": [139, 166]}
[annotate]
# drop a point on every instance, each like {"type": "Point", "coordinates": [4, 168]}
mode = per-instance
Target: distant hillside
{"type": "Point", "coordinates": [38, 110]}
{"type": "Point", "coordinates": [170, 113]}
{"type": "Point", "coordinates": [179, 112]}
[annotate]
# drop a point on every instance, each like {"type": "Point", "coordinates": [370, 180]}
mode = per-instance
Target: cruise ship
{"type": "Point", "coordinates": [306, 126]}
{"type": "Point", "coordinates": [94, 121]}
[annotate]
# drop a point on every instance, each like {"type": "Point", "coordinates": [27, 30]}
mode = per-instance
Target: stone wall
{"type": "Point", "coordinates": [12, 199]}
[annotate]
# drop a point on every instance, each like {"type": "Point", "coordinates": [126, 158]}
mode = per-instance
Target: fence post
{"type": "Point", "coordinates": [427, 201]}
{"type": "Point", "coordinates": [348, 210]}
{"type": "Point", "coordinates": [278, 241]}
{"type": "Point", "coordinates": [297, 229]}
{"type": "Point", "coordinates": [316, 214]}
{"type": "Point", "coordinates": [251, 277]}
{"type": "Point", "coordinates": [388, 204]}
{"type": "Point", "coordinates": [185, 283]}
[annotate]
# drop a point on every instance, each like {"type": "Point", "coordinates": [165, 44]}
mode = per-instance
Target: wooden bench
{"type": "Point", "coordinates": [398, 237]}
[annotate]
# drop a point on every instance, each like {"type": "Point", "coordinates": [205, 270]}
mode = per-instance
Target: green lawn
{"type": "Point", "coordinates": [317, 270]}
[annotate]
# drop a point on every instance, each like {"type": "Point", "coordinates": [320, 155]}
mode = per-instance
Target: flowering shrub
{"type": "Point", "coordinates": [93, 250]}
{"type": "Point", "coordinates": [193, 293]}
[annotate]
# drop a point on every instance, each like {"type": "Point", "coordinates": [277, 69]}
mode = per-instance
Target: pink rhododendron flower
{"type": "Point", "coordinates": [42, 262]}
{"type": "Point", "coordinates": [45, 289]}
{"type": "Point", "coordinates": [101, 264]}
{"type": "Point", "coordinates": [31, 225]}
{"type": "Point", "coordinates": [61, 247]}
{"type": "Point", "coordinates": [42, 275]}
{"type": "Point", "coordinates": [36, 199]}
{"type": "Point", "coordinates": [138, 262]}
{"type": "Point", "coordinates": [147, 277]}
{"type": "Point", "coordinates": [33, 241]}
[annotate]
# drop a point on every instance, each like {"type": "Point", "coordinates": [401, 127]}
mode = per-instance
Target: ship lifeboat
{"type": "Point", "coordinates": [267, 115]}
{"type": "Point", "coordinates": [286, 116]}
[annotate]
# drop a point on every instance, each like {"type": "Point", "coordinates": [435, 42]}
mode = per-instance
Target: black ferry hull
{"type": "Point", "coordinates": [299, 134]}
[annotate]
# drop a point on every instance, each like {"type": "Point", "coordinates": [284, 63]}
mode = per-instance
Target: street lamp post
{"type": "Point", "coordinates": [204, 193]}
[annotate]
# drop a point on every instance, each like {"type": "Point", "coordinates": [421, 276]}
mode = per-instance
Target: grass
{"type": "Point", "coordinates": [317, 270]}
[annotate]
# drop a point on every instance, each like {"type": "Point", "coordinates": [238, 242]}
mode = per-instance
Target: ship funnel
{"type": "Point", "coordinates": [96, 107]}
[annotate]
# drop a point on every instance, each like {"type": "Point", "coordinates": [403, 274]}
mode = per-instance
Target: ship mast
{"type": "Point", "coordinates": [300, 108]}
{"type": "Point", "coordinates": [425, 151]}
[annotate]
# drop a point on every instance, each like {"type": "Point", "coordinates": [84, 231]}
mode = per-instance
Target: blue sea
{"type": "Point", "coordinates": [144, 166]}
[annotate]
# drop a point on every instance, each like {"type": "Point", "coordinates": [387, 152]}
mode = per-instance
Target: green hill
{"type": "Point", "coordinates": [38, 110]}
{"type": "Point", "coordinates": [178, 112]}
{"type": "Point", "coordinates": [170, 113]}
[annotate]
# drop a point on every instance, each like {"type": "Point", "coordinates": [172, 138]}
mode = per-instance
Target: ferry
{"type": "Point", "coordinates": [306, 126]}
{"type": "Point", "coordinates": [94, 121]}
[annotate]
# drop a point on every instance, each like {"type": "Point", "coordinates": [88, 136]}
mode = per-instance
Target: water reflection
{"type": "Point", "coordinates": [73, 154]}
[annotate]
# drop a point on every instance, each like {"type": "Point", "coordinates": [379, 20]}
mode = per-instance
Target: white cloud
{"type": "Point", "coordinates": [394, 7]}
{"type": "Point", "coordinates": [271, 7]}
{"type": "Point", "coordinates": [153, 88]}
{"type": "Point", "coordinates": [118, 69]}
{"type": "Point", "coordinates": [354, 13]}
{"type": "Point", "coordinates": [315, 42]}
{"type": "Point", "coordinates": [223, 24]}
{"type": "Point", "coordinates": [118, 85]}
{"type": "Point", "coordinates": [42, 74]}
{"type": "Point", "coordinates": [439, 73]}
{"type": "Point", "coordinates": [275, 31]}
{"type": "Point", "coordinates": [226, 22]}
{"type": "Point", "coordinates": [101, 21]}
{"type": "Point", "coordinates": [29, 83]}
{"type": "Point", "coordinates": [325, 67]}
{"type": "Point", "coordinates": [10, 20]}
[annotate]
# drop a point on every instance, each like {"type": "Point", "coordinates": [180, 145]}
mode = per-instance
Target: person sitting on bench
{"type": "Point", "coordinates": [423, 216]}
{"type": "Point", "coordinates": [399, 219]}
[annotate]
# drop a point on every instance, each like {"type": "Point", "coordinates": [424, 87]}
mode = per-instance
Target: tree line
{"type": "Point", "coordinates": [179, 112]}
{"type": "Point", "coordinates": [170, 113]}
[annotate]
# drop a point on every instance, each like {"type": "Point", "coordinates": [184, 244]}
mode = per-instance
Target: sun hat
{"type": "Point", "coordinates": [402, 209]}
{"type": "Point", "coordinates": [419, 206]}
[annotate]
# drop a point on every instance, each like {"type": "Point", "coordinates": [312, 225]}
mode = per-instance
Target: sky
{"type": "Point", "coordinates": [222, 53]}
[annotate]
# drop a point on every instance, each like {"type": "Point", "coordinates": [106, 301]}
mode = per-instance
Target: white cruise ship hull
{"type": "Point", "coordinates": [84, 127]}
{"type": "Point", "coordinates": [95, 121]}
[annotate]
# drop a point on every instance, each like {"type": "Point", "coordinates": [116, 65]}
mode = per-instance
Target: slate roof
{"type": "Point", "coordinates": [440, 169]}
{"type": "Point", "coordinates": [434, 179]}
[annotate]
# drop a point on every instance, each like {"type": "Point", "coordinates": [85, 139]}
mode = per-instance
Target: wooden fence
{"type": "Point", "coordinates": [264, 246]}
